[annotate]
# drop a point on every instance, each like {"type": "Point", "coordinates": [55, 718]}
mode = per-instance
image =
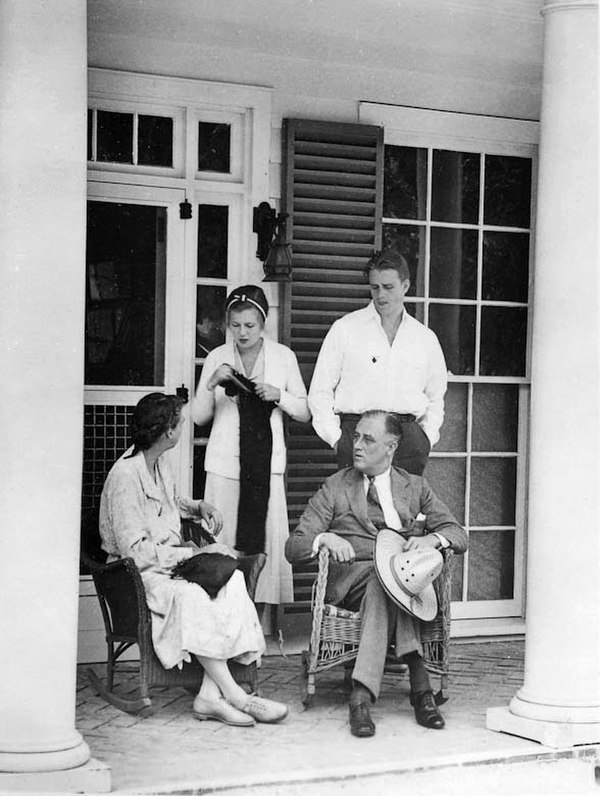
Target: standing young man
{"type": "Point", "coordinates": [381, 357]}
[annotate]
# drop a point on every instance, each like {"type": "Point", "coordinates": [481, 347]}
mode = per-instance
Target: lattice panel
{"type": "Point", "coordinates": [105, 438]}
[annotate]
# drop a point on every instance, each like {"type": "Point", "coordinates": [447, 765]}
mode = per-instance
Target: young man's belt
{"type": "Point", "coordinates": [351, 418]}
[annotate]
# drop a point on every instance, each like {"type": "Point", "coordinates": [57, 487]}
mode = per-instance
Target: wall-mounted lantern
{"type": "Point", "coordinates": [272, 250]}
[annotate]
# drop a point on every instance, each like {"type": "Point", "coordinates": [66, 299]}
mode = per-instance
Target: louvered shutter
{"type": "Point", "coordinates": [333, 185]}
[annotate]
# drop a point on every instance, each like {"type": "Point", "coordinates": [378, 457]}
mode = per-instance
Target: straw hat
{"type": "Point", "coordinates": [407, 576]}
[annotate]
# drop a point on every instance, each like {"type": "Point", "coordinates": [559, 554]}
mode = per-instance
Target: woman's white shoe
{"type": "Point", "coordinates": [221, 710]}
{"type": "Point", "coordinates": [265, 710]}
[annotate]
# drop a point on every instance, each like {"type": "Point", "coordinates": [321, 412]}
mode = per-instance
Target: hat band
{"type": "Point", "coordinates": [240, 299]}
{"type": "Point", "coordinates": [406, 591]}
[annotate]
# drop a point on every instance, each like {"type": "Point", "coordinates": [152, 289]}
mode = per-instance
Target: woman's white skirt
{"type": "Point", "coordinates": [275, 582]}
{"type": "Point", "coordinates": [186, 621]}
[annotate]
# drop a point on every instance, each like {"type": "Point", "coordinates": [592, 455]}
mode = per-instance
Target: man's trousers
{"type": "Point", "coordinates": [381, 621]}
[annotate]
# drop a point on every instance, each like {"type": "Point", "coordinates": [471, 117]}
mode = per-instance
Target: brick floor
{"type": "Point", "coordinates": [312, 751]}
{"type": "Point", "coordinates": [171, 751]}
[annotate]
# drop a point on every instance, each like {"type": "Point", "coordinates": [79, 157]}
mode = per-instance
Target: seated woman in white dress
{"type": "Point", "coordinates": [140, 517]}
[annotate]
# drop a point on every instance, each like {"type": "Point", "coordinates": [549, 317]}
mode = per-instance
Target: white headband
{"type": "Point", "coordinates": [235, 299]}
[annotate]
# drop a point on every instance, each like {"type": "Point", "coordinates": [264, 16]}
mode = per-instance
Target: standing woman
{"type": "Point", "coordinates": [253, 380]}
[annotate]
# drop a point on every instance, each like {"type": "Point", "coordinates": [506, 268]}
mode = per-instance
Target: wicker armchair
{"type": "Point", "coordinates": [127, 621]}
{"type": "Point", "coordinates": [335, 632]}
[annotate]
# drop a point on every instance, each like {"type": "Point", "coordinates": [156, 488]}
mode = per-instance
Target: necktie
{"type": "Point", "coordinates": [374, 510]}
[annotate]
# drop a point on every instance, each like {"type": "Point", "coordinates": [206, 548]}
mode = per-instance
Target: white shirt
{"type": "Point", "coordinates": [383, 484]}
{"type": "Point", "coordinates": [357, 369]}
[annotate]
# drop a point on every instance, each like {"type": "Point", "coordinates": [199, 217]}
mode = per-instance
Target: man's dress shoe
{"type": "Point", "coordinates": [426, 712]}
{"type": "Point", "coordinates": [361, 723]}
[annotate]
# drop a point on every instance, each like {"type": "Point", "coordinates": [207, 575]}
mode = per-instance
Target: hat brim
{"type": "Point", "coordinates": [423, 606]}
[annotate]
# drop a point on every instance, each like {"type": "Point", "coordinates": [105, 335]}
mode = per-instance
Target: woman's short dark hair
{"type": "Point", "coordinates": [248, 297]}
{"type": "Point", "coordinates": [154, 414]}
{"type": "Point", "coordinates": [388, 259]}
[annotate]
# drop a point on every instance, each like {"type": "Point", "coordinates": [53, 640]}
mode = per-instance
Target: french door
{"type": "Point", "coordinates": [155, 306]}
{"type": "Point", "coordinates": [135, 317]}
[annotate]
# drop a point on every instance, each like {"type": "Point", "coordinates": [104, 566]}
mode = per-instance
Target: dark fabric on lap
{"type": "Point", "coordinates": [211, 571]}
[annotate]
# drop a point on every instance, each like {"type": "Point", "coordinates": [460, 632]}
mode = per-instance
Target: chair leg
{"type": "Point", "coordinates": [440, 699]}
{"type": "Point", "coordinates": [141, 707]}
{"type": "Point", "coordinates": [308, 686]}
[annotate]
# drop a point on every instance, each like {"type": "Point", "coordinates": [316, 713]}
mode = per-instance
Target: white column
{"type": "Point", "coordinates": [43, 97]}
{"type": "Point", "coordinates": [559, 704]}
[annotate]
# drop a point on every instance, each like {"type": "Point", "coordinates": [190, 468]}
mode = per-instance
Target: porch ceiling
{"type": "Point", "coordinates": [473, 39]}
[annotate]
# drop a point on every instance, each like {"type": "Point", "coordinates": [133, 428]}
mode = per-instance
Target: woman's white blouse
{"type": "Point", "coordinates": [280, 370]}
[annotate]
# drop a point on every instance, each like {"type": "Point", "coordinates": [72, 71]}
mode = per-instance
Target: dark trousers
{"type": "Point", "coordinates": [412, 452]}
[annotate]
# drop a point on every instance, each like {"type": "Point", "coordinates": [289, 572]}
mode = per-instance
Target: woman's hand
{"type": "Point", "coordinates": [221, 375]}
{"type": "Point", "coordinates": [219, 548]}
{"type": "Point", "coordinates": [267, 392]}
{"type": "Point", "coordinates": [211, 516]}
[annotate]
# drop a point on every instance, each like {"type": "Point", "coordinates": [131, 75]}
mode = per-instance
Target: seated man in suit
{"type": "Point", "coordinates": [345, 516]}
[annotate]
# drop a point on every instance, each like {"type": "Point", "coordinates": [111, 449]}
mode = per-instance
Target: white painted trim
{"type": "Point", "coordinates": [570, 5]}
{"type": "Point", "coordinates": [135, 85]}
{"type": "Point", "coordinates": [474, 628]}
{"type": "Point", "coordinates": [444, 130]}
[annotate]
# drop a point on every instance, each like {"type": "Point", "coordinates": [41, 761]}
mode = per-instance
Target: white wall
{"type": "Point", "coordinates": [323, 58]}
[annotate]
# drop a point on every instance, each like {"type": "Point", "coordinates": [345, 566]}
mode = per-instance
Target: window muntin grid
{"type": "Point", "coordinates": [468, 259]}
{"type": "Point", "coordinates": [130, 138]}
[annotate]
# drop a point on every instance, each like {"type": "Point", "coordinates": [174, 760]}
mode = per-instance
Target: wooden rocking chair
{"type": "Point", "coordinates": [127, 621]}
{"type": "Point", "coordinates": [335, 633]}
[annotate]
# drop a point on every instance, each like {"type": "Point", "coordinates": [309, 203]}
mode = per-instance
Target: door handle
{"type": "Point", "coordinates": [183, 393]}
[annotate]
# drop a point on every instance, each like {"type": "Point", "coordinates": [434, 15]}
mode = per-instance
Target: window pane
{"type": "Point", "coordinates": [491, 565]}
{"type": "Point", "coordinates": [416, 310]}
{"type": "Point", "coordinates": [114, 137]}
{"type": "Point", "coordinates": [495, 417]}
{"type": "Point", "coordinates": [453, 263]}
{"type": "Point", "coordinates": [409, 241]}
{"type": "Point", "coordinates": [505, 266]}
{"type": "Point", "coordinates": [213, 221]}
{"type": "Point", "coordinates": [201, 432]}
{"type": "Point", "coordinates": [155, 141]}
{"type": "Point", "coordinates": [507, 197]}
{"type": "Point", "coordinates": [199, 476]}
{"type": "Point", "coordinates": [210, 318]}
{"type": "Point", "coordinates": [125, 307]}
{"type": "Point", "coordinates": [455, 187]}
{"type": "Point", "coordinates": [214, 147]}
{"type": "Point", "coordinates": [503, 341]}
{"type": "Point", "coordinates": [453, 434]}
{"type": "Point", "coordinates": [90, 132]}
{"type": "Point", "coordinates": [455, 327]}
{"type": "Point", "coordinates": [405, 182]}
{"type": "Point", "coordinates": [493, 490]}
{"type": "Point", "coordinates": [447, 479]}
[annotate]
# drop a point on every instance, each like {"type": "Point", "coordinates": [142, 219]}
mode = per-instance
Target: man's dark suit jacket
{"type": "Point", "coordinates": [340, 507]}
